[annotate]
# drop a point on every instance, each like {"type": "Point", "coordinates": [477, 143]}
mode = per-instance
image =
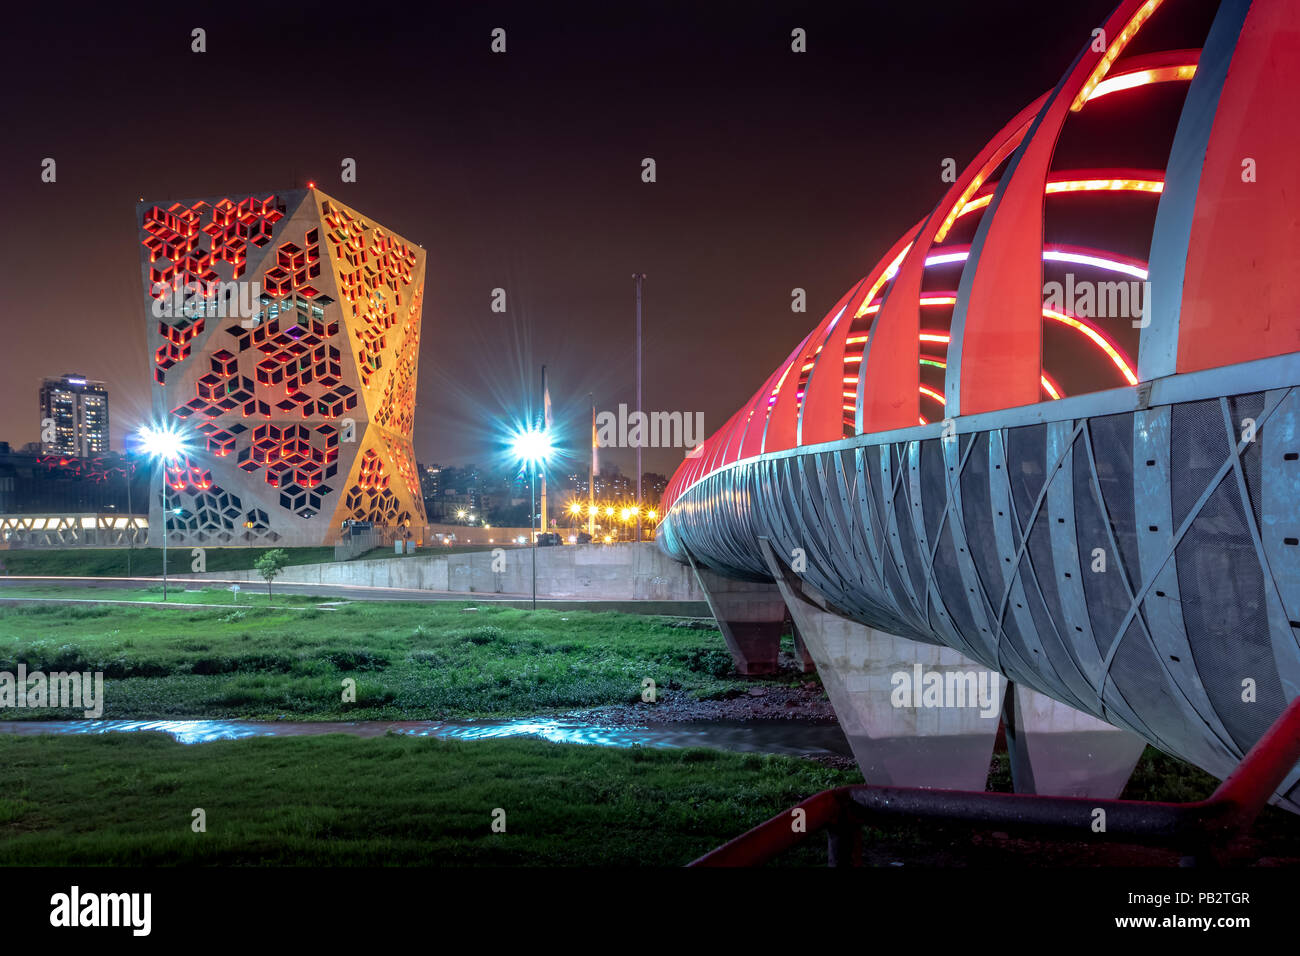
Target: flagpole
{"type": "Point", "coordinates": [639, 278]}
{"type": "Point", "coordinates": [546, 425]}
{"type": "Point", "coordinates": [591, 477]}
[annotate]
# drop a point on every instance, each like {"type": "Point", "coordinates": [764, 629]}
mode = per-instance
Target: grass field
{"type": "Point", "coordinates": [252, 594]}
{"type": "Point", "coordinates": [338, 801]}
{"type": "Point", "coordinates": [147, 562]}
{"type": "Point", "coordinates": [409, 661]}
{"type": "Point", "coordinates": [129, 799]}
{"type": "Point", "coordinates": [144, 562]}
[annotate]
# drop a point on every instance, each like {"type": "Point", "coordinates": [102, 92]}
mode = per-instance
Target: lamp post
{"type": "Point", "coordinates": [130, 516]}
{"type": "Point", "coordinates": [166, 444]}
{"type": "Point", "coordinates": [532, 446]}
{"type": "Point", "coordinates": [532, 516]}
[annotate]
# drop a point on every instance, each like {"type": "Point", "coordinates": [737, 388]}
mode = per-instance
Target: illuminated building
{"type": "Point", "coordinates": [284, 334]}
{"type": "Point", "coordinates": [76, 411]}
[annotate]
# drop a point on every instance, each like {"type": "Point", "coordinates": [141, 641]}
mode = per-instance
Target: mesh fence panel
{"type": "Point", "coordinates": [933, 491]}
{"type": "Point", "coordinates": [1104, 591]}
{"type": "Point", "coordinates": [1198, 448]}
{"type": "Point", "coordinates": [1222, 591]}
{"type": "Point", "coordinates": [906, 531]}
{"type": "Point", "coordinates": [1112, 448]}
{"type": "Point", "coordinates": [978, 515]}
{"type": "Point", "coordinates": [1250, 407]}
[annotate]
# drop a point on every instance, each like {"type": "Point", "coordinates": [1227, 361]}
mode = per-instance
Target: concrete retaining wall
{"type": "Point", "coordinates": [590, 571]}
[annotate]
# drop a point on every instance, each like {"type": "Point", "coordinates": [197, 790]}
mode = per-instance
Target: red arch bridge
{"type": "Point", "coordinates": [1046, 452]}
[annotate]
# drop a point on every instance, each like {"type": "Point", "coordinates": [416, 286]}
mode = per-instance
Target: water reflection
{"type": "Point", "coordinates": [788, 737]}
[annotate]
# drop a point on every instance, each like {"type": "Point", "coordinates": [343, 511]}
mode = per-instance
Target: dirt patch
{"type": "Point", "coordinates": [806, 702]}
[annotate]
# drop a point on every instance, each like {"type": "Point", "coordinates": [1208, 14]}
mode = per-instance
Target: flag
{"type": "Point", "coordinates": [546, 402]}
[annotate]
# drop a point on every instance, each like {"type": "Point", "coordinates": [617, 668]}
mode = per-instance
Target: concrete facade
{"type": "Point", "coordinates": [1060, 751]}
{"type": "Point", "coordinates": [947, 747]}
{"type": "Point", "coordinates": [581, 571]}
{"type": "Point", "coordinates": [1053, 748]}
{"type": "Point", "coordinates": [750, 616]}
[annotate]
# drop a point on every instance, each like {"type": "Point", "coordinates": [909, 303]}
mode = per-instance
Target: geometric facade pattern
{"type": "Point", "coordinates": [290, 366]}
{"type": "Point", "coordinates": [1116, 525]}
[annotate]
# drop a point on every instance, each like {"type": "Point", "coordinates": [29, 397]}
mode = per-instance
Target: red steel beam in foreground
{"type": "Point", "coordinates": [1197, 827]}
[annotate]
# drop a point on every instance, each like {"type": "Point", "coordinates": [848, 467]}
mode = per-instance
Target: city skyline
{"type": "Point", "coordinates": [802, 142]}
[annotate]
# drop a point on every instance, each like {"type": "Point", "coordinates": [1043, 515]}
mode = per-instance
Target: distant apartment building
{"type": "Point", "coordinates": [430, 481]}
{"type": "Point", "coordinates": [74, 417]}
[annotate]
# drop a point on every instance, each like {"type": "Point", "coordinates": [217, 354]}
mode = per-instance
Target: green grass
{"type": "Point", "coordinates": [147, 562]}
{"type": "Point", "coordinates": [127, 799]}
{"type": "Point", "coordinates": [335, 800]}
{"type": "Point", "coordinates": [410, 661]}
{"type": "Point", "coordinates": [179, 591]}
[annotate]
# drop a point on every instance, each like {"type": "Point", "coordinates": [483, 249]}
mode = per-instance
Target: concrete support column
{"type": "Point", "coordinates": [802, 656]}
{"type": "Point", "coordinates": [751, 617]}
{"type": "Point", "coordinates": [916, 715]}
{"type": "Point", "coordinates": [1059, 751]}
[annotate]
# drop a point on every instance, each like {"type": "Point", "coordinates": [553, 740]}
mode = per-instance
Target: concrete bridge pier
{"type": "Point", "coordinates": [803, 656]}
{"type": "Point", "coordinates": [1057, 750]}
{"type": "Point", "coordinates": [751, 617]}
{"type": "Point", "coordinates": [900, 736]}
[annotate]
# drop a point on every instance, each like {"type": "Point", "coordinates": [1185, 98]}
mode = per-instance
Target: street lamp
{"type": "Point", "coordinates": [164, 443]}
{"type": "Point", "coordinates": [532, 446]}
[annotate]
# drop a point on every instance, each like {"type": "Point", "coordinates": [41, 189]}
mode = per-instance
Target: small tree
{"type": "Point", "coordinates": [269, 566]}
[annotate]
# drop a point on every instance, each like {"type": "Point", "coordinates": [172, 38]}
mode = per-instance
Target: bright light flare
{"type": "Point", "coordinates": [162, 441]}
{"type": "Point", "coordinates": [533, 446]}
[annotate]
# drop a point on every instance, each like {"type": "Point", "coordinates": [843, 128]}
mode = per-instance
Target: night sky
{"type": "Point", "coordinates": [520, 171]}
